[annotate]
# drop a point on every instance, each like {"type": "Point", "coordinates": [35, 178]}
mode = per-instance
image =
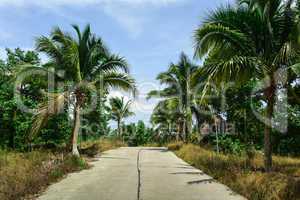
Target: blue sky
{"type": "Point", "coordinates": [149, 33]}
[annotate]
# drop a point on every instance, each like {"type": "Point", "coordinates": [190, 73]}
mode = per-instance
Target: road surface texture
{"type": "Point", "coordinates": [139, 174]}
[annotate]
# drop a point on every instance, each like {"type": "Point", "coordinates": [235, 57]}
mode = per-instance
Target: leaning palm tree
{"type": "Point", "coordinates": [252, 40]}
{"type": "Point", "coordinates": [179, 80]}
{"type": "Point", "coordinates": [119, 111]}
{"type": "Point", "coordinates": [88, 68]}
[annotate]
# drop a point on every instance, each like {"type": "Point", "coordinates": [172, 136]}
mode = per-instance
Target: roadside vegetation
{"type": "Point", "coordinates": [244, 173]}
{"type": "Point", "coordinates": [44, 124]}
{"type": "Point", "coordinates": [25, 175]}
{"type": "Point", "coordinates": [236, 115]}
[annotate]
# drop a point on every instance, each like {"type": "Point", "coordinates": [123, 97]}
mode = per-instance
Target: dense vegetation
{"type": "Point", "coordinates": [241, 105]}
{"type": "Point", "coordinates": [83, 72]}
{"type": "Point", "coordinates": [245, 96]}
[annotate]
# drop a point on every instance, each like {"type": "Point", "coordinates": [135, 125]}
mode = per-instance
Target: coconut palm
{"type": "Point", "coordinates": [178, 80]}
{"type": "Point", "coordinates": [252, 40]}
{"type": "Point", "coordinates": [120, 109]}
{"type": "Point", "coordinates": [88, 67]}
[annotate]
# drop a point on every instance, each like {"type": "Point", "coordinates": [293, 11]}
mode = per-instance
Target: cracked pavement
{"type": "Point", "coordinates": [139, 174]}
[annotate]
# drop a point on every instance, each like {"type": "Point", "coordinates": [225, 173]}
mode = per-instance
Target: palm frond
{"type": "Point", "coordinates": [111, 63]}
{"type": "Point", "coordinates": [117, 80]}
{"type": "Point", "coordinates": [214, 36]}
{"type": "Point", "coordinates": [54, 105]}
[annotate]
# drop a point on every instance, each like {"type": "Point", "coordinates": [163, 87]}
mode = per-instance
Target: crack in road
{"type": "Point", "coordinates": [139, 175]}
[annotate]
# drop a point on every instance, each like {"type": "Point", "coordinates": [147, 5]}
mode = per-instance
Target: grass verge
{"type": "Point", "coordinates": [245, 176]}
{"type": "Point", "coordinates": [23, 175]}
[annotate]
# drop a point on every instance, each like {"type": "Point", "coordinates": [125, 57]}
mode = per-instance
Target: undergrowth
{"type": "Point", "coordinates": [245, 175]}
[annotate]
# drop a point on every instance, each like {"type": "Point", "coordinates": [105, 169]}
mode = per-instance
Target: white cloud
{"type": "Point", "coordinates": [126, 17]}
{"type": "Point", "coordinates": [2, 54]}
{"type": "Point", "coordinates": [140, 104]}
{"type": "Point", "coordinates": [124, 12]}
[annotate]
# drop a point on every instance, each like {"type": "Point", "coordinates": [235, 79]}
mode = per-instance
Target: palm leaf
{"type": "Point", "coordinates": [54, 105]}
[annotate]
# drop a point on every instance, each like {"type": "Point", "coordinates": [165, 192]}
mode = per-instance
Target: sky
{"type": "Point", "coordinates": [148, 33]}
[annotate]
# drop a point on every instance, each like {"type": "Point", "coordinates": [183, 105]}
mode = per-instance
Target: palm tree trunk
{"type": "Point", "coordinates": [75, 130]}
{"type": "Point", "coordinates": [180, 130]}
{"type": "Point", "coordinates": [119, 128]}
{"type": "Point", "coordinates": [170, 127]}
{"type": "Point", "coordinates": [177, 132]}
{"type": "Point", "coordinates": [188, 124]}
{"type": "Point", "coordinates": [199, 120]}
{"type": "Point", "coordinates": [270, 94]}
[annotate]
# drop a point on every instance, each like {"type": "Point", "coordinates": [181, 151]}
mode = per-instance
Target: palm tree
{"type": "Point", "coordinates": [165, 119]}
{"type": "Point", "coordinates": [252, 40]}
{"type": "Point", "coordinates": [179, 80]}
{"type": "Point", "coordinates": [119, 111]}
{"type": "Point", "coordinates": [88, 67]}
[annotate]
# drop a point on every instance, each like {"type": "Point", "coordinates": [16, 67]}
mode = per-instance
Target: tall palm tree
{"type": "Point", "coordinates": [254, 39]}
{"type": "Point", "coordinates": [178, 80]}
{"type": "Point", "coordinates": [120, 109]}
{"type": "Point", "coordinates": [88, 67]}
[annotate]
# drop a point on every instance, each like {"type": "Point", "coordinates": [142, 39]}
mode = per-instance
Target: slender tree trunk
{"type": "Point", "coordinates": [119, 129]}
{"type": "Point", "coordinates": [170, 127]}
{"type": "Point", "coordinates": [270, 95]}
{"type": "Point", "coordinates": [75, 130]}
{"type": "Point", "coordinates": [188, 124]}
{"type": "Point", "coordinates": [178, 132]}
{"type": "Point", "coordinates": [198, 120]}
{"type": "Point", "coordinates": [183, 130]}
{"type": "Point", "coordinates": [181, 133]}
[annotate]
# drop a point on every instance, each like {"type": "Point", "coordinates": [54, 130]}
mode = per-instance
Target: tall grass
{"type": "Point", "coordinates": [23, 175]}
{"type": "Point", "coordinates": [245, 175]}
{"type": "Point", "coordinates": [94, 147]}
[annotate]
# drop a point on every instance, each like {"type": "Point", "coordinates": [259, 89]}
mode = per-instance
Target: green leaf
{"type": "Point", "coordinates": [296, 68]}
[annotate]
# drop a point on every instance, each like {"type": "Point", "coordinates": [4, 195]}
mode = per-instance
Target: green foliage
{"type": "Point", "coordinates": [181, 84]}
{"type": "Point", "coordinates": [137, 134]}
{"type": "Point", "coordinates": [230, 144]}
{"type": "Point", "coordinates": [95, 124]}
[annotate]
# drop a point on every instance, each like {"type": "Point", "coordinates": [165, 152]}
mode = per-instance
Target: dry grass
{"type": "Point", "coordinates": [153, 144]}
{"type": "Point", "coordinates": [92, 148]}
{"type": "Point", "coordinates": [23, 175]}
{"type": "Point", "coordinates": [174, 146]}
{"type": "Point", "coordinates": [246, 176]}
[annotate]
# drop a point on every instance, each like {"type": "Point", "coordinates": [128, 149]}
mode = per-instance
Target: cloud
{"type": "Point", "coordinates": [2, 54]}
{"type": "Point", "coordinates": [127, 13]}
{"type": "Point", "coordinates": [140, 104]}
{"type": "Point", "coordinates": [125, 16]}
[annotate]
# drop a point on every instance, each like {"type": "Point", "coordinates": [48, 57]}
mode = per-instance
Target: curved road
{"type": "Point", "coordinates": [139, 174]}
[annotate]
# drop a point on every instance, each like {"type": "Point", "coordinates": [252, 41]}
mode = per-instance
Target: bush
{"type": "Point", "coordinates": [228, 144]}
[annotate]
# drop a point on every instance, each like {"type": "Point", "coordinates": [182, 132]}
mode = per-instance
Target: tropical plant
{"type": "Point", "coordinates": [88, 67]}
{"type": "Point", "coordinates": [179, 81]}
{"type": "Point", "coordinates": [253, 40]}
{"type": "Point", "coordinates": [120, 109]}
{"type": "Point", "coordinates": [166, 120]}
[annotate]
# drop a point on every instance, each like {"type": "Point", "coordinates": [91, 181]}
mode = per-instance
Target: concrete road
{"type": "Point", "coordinates": [139, 174]}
